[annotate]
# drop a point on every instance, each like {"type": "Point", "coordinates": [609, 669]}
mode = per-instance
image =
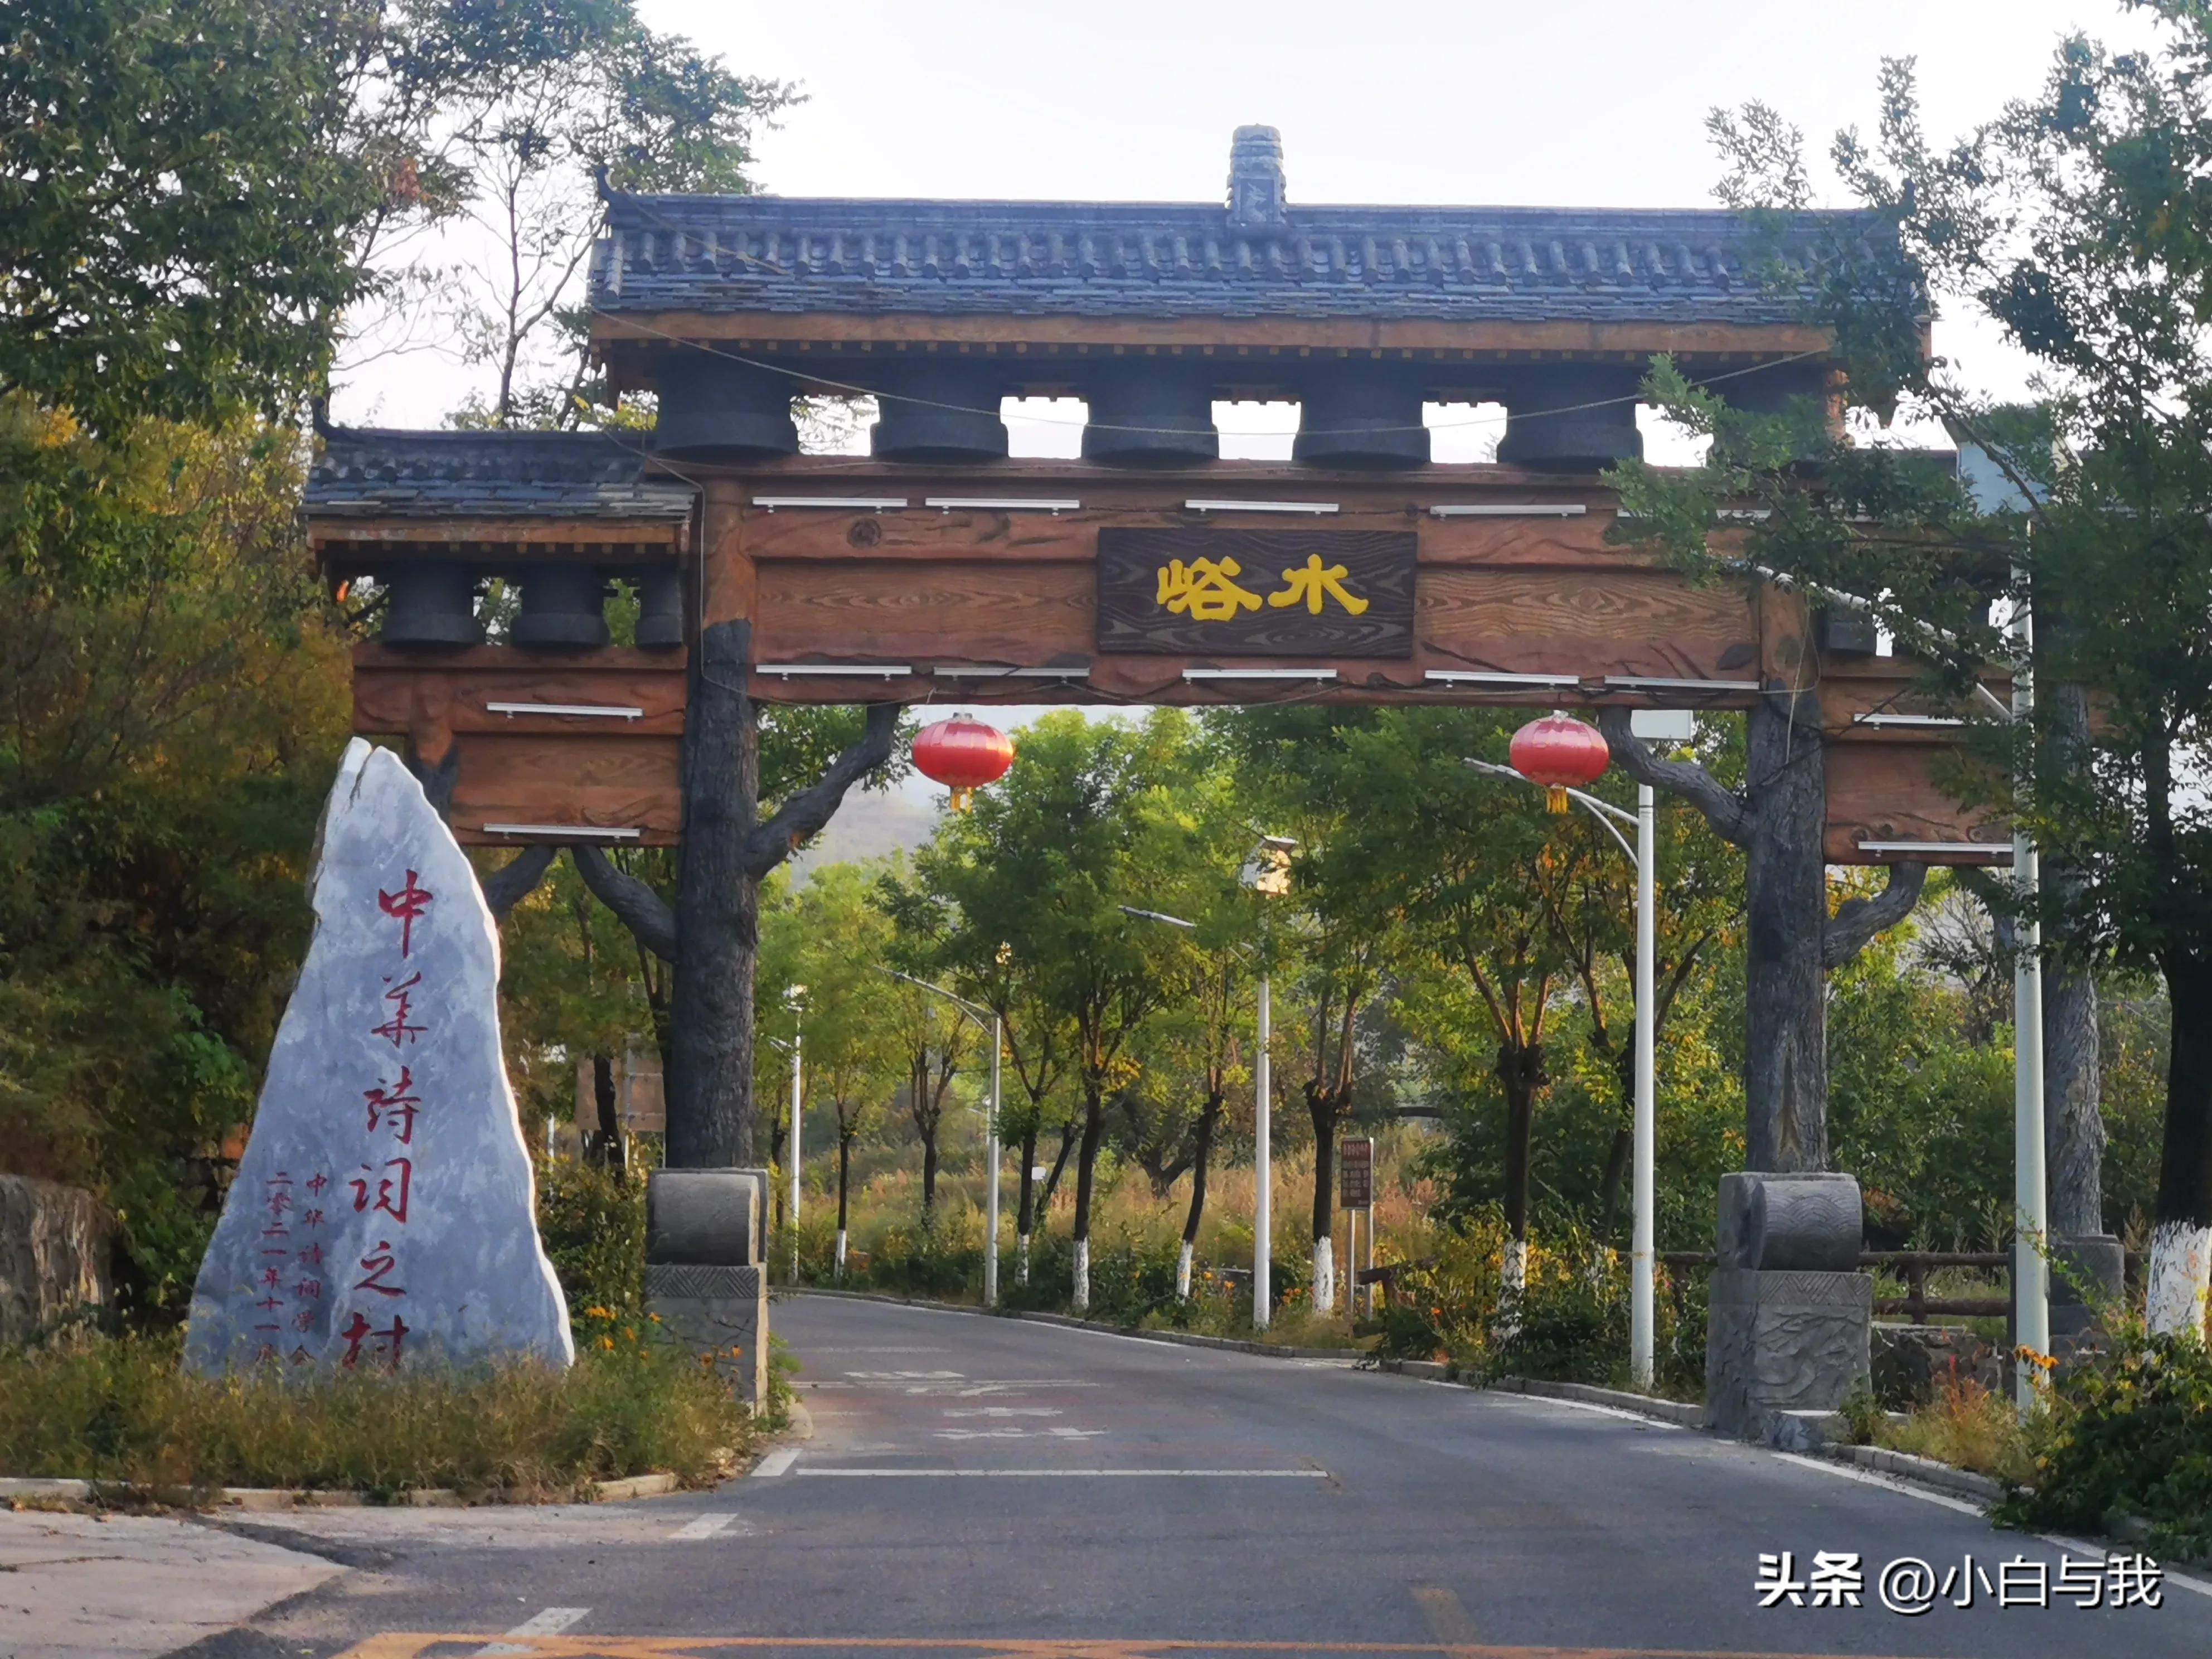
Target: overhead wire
{"type": "Point", "coordinates": [853, 389]}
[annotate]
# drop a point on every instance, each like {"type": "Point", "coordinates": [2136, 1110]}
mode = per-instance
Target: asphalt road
{"type": "Point", "coordinates": [987, 1487]}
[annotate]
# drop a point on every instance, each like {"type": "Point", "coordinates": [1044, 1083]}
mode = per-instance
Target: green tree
{"type": "Point", "coordinates": [1040, 867]}
{"type": "Point", "coordinates": [853, 1054]}
{"type": "Point", "coordinates": [2075, 220]}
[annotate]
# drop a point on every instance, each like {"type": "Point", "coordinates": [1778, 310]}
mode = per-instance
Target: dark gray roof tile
{"type": "Point", "coordinates": [725, 253]}
{"type": "Point", "coordinates": [372, 472]}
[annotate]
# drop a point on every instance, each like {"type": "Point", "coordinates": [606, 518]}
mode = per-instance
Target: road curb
{"type": "Point", "coordinates": [1926, 1471]}
{"type": "Point", "coordinates": [261, 1500]}
{"type": "Point", "coordinates": [1682, 1413]}
{"type": "Point", "coordinates": [1181, 1339]}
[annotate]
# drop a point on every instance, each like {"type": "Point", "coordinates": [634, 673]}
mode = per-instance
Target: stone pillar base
{"type": "Point", "coordinates": [2090, 1268]}
{"type": "Point", "coordinates": [722, 1311]}
{"type": "Point", "coordinates": [1779, 1341]}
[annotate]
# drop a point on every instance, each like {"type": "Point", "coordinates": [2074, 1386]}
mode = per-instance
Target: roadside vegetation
{"type": "Point", "coordinates": [121, 1410]}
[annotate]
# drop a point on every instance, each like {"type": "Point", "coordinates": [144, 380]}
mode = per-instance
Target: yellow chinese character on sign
{"type": "Point", "coordinates": [1204, 592]}
{"type": "Point", "coordinates": [1315, 580]}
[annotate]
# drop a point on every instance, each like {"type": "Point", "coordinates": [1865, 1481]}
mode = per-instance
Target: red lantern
{"type": "Point", "coordinates": [962, 754]}
{"type": "Point", "coordinates": [1559, 752]}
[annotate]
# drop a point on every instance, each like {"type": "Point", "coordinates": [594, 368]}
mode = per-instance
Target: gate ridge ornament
{"type": "Point", "coordinates": [383, 1214]}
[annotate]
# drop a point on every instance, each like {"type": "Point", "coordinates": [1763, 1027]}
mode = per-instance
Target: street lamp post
{"type": "Point", "coordinates": [1267, 871]}
{"type": "Point", "coordinates": [987, 1020]}
{"type": "Point", "coordinates": [797, 998]}
{"type": "Point", "coordinates": [1643, 855]}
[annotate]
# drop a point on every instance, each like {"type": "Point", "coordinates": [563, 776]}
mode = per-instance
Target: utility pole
{"type": "Point", "coordinates": [2032, 1223]}
{"type": "Point", "coordinates": [797, 998]}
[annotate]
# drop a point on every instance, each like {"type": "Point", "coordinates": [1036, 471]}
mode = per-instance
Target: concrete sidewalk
{"type": "Point", "coordinates": [75, 1585]}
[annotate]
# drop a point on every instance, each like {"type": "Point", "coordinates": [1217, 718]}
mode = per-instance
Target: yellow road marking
{"type": "Point", "coordinates": [417, 1645]}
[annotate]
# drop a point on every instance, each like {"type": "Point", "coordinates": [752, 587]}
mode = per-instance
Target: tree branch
{"type": "Point", "coordinates": [635, 905]}
{"type": "Point", "coordinates": [1856, 920]}
{"type": "Point", "coordinates": [508, 885]}
{"type": "Point", "coordinates": [1723, 810]}
{"type": "Point", "coordinates": [806, 811]}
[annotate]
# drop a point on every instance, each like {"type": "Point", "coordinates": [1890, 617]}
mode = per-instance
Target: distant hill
{"type": "Point", "coordinates": [871, 826]}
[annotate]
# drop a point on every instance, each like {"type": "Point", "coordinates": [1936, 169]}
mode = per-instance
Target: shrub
{"type": "Point", "coordinates": [1966, 1425]}
{"type": "Point", "coordinates": [2129, 1432]}
{"type": "Point", "coordinates": [1568, 1323]}
{"type": "Point", "coordinates": [592, 1223]}
{"type": "Point", "coordinates": [122, 1410]}
{"type": "Point", "coordinates": [938, 1255]}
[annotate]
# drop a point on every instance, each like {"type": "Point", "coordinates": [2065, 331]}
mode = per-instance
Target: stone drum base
{"type": "Point", "coordinates": [722, 1311]}
{"type": "Point", "coordinates": [1779, 1341]}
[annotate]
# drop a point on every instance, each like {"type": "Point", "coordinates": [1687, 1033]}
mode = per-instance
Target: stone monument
{"type": "Point", "coordinates": [1790, 1317]}
{"type": "Point", "coordinates": [706, 1267]}
{"type": "Point", "coordinates": [383, 1215]}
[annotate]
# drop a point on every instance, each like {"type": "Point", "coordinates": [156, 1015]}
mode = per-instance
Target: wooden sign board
{"type": "Point", "coordinates": [1355, 1168]}
{"type": "Point", "coordinates": [1257, 593]}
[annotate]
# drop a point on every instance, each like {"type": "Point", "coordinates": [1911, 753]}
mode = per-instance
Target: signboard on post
{"type": "Point", "coordinates": [1355, 1164]}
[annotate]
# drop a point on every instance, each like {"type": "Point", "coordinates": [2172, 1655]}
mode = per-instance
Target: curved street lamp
{"type": "Point", "coordinates": [1643, 856]}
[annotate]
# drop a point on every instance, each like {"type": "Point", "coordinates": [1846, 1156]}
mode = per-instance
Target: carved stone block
{"type": "Point", "coordinates": [1790, 1223]}
{"type": "Point", "coordinates": [1783, 1341]}
{"type": "Point", "coordinates": [705, 1217]}
{"type": "Point", "coordinates": [716, 1311]}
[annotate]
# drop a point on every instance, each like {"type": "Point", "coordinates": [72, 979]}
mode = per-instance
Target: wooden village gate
{"type": "Point", "coordinates": [936, 569]}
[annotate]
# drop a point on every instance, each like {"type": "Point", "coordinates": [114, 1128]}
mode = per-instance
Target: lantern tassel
{"type": "Point", "coordinates": [1555, 797]}
{"type": "Point", "coordinates": [962, 799]}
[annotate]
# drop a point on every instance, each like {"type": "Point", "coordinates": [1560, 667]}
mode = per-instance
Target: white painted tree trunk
{"type": "Point", "coordinates": [1182, 1273]}
{"type": "Point", "coordinates": [2181, 1278]}
{"type": "Point", "coordinates": [1324, 1275]}
{"type": "Point", "coordinates": [841, 1252]}
{"type": "Point", "coordinates": [1022, 1260]}
{"type": "Point", "coordinates": [1512, 1280]}
{"type": "Point", "coordinates": [1081, 1300]}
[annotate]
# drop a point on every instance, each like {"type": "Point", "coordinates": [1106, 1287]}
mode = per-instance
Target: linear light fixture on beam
{"type": "Point", "coordinates": [1645, 683]}
{"type": "Point", "coordinates": [840, 670]}
{"type": "Point", "coordinates": [1470, 677]}
{"type": "Point", "coordinates": [977, 670]}
{"type": "Point", "coordinates": [1907, 719]}
{"type": "Point", "coordinates": [1314, 674]}
{"type": "Point", "coordinates": [1511, 510]}
{"type": "Point", "coordinates": [599, 710]}
{"type": "Point", "coordinates": [573, 831]}
{"type": "Point", "coordinates": [850, 503]}
{"type": "Point", "coordinates": [1002, 503]}
{"type": "Point", "coordinates": [1260, 506]}
{"type": "Point", "coordinates": [1905, 849]}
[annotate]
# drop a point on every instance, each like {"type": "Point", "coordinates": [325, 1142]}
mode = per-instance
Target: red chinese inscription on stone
{"type": "Point", "coordinates": [407, 905]}
{"type": "Point", "coordinates": [397, 1101]}
{"type": "Point", "coordinates": [358, 1330]}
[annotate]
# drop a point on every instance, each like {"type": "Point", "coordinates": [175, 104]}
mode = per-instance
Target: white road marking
{"type": "Point", "coordinates": [1886, 1483]}
{"type": "Point", "coordinates": [777, 1461]}
{"type": "Point", "coordinates": [1012, 1432]}
{"type": "Point", "coordinates": [549, 1621]}
{"type": "Point", "coordinates": [705, 1527]}
{"type": "Point", "coordinates": [1002, 1411]}
{"type": "Point", "coordinates": [2098, 1552]}
{"type": "Point", "coordinates": [1639, 1419]}
{"type": "Point", "coordinates": [1071, 1474]}
{"type": "Point", "coordinates": [906, 1376]}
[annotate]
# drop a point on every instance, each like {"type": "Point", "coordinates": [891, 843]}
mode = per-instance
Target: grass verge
{"type": "Point", "coordinates": [122, 1410]}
